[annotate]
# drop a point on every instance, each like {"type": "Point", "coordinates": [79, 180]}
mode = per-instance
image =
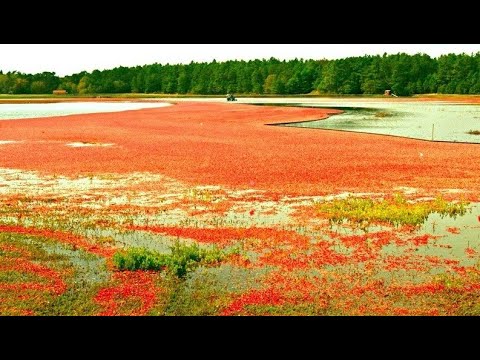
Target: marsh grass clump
{"type": "Point", "coordinates": [383, 114]}
{"type": "Point", "coordinates": [200, 195]}
{"type": "Point", "coordinates": [473, 132]}
{"type": "Point", "coordinates": [139, 259]}
{"type": "Point", "coordinates": [395, 211]}
{"type": "Point", "coordinates": [182, 259]}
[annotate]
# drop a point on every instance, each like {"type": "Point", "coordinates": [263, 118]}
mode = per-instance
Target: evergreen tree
{"type": "Point", "coordinates": [403, 74]}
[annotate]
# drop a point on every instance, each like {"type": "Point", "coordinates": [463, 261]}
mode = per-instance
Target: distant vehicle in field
{"type": "Point", "coordinates": [389, 93]}
{"type": "Point", "coordinates": [231, 97]}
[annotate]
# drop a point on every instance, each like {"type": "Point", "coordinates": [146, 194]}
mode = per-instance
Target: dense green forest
{"type": "Point", "coordinates": [403, 74]}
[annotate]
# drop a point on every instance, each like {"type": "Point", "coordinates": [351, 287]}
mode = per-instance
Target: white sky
{"type": "Point", "coordinates": [67, 59]}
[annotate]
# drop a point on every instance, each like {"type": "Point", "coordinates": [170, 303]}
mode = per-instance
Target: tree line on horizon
{"type": "Point", "coordinates": [370, 74]}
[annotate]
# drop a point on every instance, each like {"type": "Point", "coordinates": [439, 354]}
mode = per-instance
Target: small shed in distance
{"type": "Point", "coordinates": [59, 92]}
{"type": "Point", "coordinates": [388, 93]}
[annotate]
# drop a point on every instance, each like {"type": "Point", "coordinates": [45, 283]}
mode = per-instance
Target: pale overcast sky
{"type": "Point", "coordinates": [67, 59]}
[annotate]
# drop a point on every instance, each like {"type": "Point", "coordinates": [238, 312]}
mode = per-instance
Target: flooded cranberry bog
{"type": "Point", "coordinates": [200, 208]}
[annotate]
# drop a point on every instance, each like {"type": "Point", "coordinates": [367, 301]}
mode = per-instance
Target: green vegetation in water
{"type": "Point", "coordinates": [83, 273]}
{"type": "Point", "coordinates": [474, 132]}
{"type": "Point", "coordinates": [200, 295]}
{"type": "Point", "coordinates": [206, 291]}
{"type": "Point", "coordinates": [396, 211]}
{"type": "Point", "coordinates": [182, 259]}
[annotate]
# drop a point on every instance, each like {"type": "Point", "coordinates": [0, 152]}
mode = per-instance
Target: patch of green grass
{"type": "Point", "coordinates": [182, 259]}
{"type": "Point", "coordinates": [201, 295]}
{"type": "Point", "coordinates": [7, 277]}
{"type": "Point", "coordinates": [300, 309]}
{"type": "Point", "coordinates": [83, 274]}
{"type": "Point", "coordinates": [395, 211]}
{"type": "Point", "coordinates": [466, 303]}
{"type": "Point", "coordinates": [206, 291]}
{"type": "Point", "coordinates": [76, 301]}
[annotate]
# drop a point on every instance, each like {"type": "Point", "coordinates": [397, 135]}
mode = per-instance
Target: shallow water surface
{"type": "Point", "coordinates": [438, 122]}
{"type": "Point", "coordinates": [26, 111]}
{"type": "Point", "coordinates": [405, 117]}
